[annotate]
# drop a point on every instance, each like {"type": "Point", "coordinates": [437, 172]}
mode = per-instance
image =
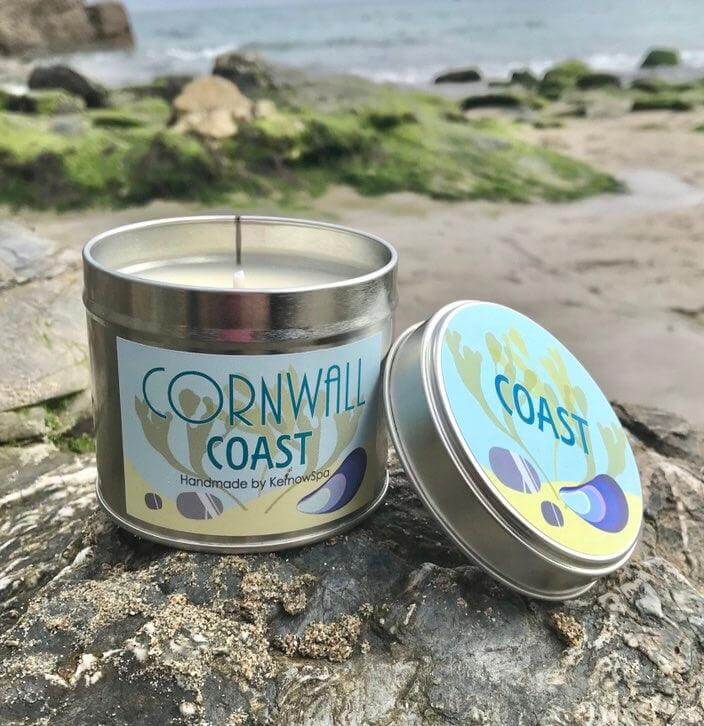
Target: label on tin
{"type": "Point", "coordinates": [250, 445]}
{"type": "Point", "coordinates": [541, 430]}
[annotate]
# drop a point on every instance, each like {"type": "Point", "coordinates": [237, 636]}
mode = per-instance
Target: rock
{"type": "Point", "coordinates": [249, 72]}
{"type": "Point", "coordinates": [46, 103]}
{"type": "Point", "coordinates": [386, 624]}
{"type": "Point", "coordinates": [166, 87]}
{"type": "Point", "coordinates": [43, 343]}
{"type": "Point", "coordinates": [661, 102]}
{"type": "Point", "coordinates": [42, 26]}
{"type": "Point", "coordinates": [459, 75]}
{"type": "Point", "coordinates": [25, 256]}
{"type": "Point", "coordinates": [24, 423]}
{"type": "Point", "coordinates": [490, 100]}
{"type": "Point", "coordinates": [661, 57]}
{"type": "Point", "coordinates": [111, 23]}
{"type": "Point", "coordinates": [658, 85]}
{"type": "Point", "coordinates": [589, 81]}
{"type": "Point", "coordinates": [562, 77]}
{"type": "Point", "coordinates": [63, 77]}
{"type": "Point", "coordinates": [524, 78]}
{"type": "Point", "coordinates": [211, 106]}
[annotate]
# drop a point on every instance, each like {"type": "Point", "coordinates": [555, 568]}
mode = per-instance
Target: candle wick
{"type": "Point", "coordinates": [238, 276]}
{"type": "Point", "coordinates": [238, 241]}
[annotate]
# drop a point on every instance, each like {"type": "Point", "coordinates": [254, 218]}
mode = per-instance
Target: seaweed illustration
{"type": "Point", "coordinates": [510, 357]}
{"type": "Point", "coordinates": [599, 500]}
{"type": "Point", "coordinates": [284, 421]}
{"type": "Point", "coordinates": [616, 446]}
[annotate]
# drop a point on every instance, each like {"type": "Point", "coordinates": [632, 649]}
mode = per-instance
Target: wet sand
{"type": "Point", "coordinates": [620, 279]}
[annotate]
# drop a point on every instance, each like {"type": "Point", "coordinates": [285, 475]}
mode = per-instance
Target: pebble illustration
{"type": "Point", "coordinates": [514, 470]}
{"type": "Point", "coordinates": [153, 501]}
{"type": "Point", "coordinates": [199, 505]}
{"type": "Point", "coordinates": [552, 514]}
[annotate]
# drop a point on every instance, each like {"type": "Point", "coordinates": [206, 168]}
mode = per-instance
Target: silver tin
{"type": "Point", "coordinates": [277, 324]}
{"type": "Point", "coordinates": [455, 489]}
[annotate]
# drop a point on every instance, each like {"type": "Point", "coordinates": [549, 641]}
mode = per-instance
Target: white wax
{"type": "Point", "coordinates": [253, 273]}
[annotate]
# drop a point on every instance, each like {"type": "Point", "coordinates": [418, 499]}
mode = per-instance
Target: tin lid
{"type": "Point", "coordinates": [514, 448]}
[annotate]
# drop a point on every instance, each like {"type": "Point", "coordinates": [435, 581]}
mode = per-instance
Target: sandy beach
{"type": "Point", "coordinates": [617, 277]}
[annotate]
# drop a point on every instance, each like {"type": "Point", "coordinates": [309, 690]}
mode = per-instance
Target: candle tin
{"type": "Point", "coordinates": [239, 419]}
{"type": "Point", "coordinates": [513, 448]}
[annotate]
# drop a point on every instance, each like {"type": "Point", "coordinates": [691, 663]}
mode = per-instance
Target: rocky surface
{"type": "Point", "coordinates": [65, 78]}
{"type": "Point", "coordinates": [211, 106]}
{"type": "Point", "coordinates": [385, 625]}
{"type": "Point", "coordinates": [249, 72]}
{"type": "Point", "coordinates": [43, 343]}
{"type": "Point", "coordinates": [33, 27]}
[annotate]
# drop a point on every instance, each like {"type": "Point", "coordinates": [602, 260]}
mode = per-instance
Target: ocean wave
{"type": "Point", "coordinates": [208, 53]}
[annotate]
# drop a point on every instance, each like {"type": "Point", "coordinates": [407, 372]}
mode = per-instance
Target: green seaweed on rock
{"type": "Point", "coordinates": [398, 141]}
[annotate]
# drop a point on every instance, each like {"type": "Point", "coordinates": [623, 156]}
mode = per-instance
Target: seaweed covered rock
{"type": "Point", "coordinates": [661, 102]}
{"type": "Point", "coordinates": [249, 72]}
{"type": "Point", "coordinates": [64, 78]}
{"type": "Point", "coordinates": [524, 77]}
{"type": "Point", "coordinates": [590, 81]}
{"type": "Point", "coordinates": [386, 624]}
{"type": "Point", "coordinates": [459, 75]}
{"type": "Point", "coordinates": [562, 77]}
{"type": "Point", "coordinates": [211, 106]}
{"type": "Point", "coordinates": [491, 100]}
{"type": "Point", "coordinates": [48, 103]}
{"type": "Point", "coordinates": [661, 57]}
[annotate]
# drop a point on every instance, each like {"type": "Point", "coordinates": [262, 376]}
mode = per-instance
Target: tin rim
{"type": "Point", "coordinates": [91, 261]}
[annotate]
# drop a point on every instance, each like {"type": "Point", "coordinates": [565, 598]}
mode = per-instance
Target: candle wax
{"type": "Point", "coordinates": [253, 273]}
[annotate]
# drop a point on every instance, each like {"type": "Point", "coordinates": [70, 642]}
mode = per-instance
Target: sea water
{"type": "Point", "coordinates": [404, 41]}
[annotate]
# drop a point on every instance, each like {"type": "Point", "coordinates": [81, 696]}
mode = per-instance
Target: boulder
{"type": "Point", "coordinates": [562, 77]}
{"type": "Point", "coordinates": [65, 78]}
{"type": "Point", "coordinates": [490, 100]}
{"type": "Point", "coordinates": [249, 72]}
{"type": "Point", "coordinates": [111, 23]}
{"type": "Point", "coordinates": [661, 57]}
{"type": "Point", "coordinates": [34, 27]}
{"type": "Point", "coordinates": [459, 75]}
{"type": "Point", "coordinates": [46, 103]}
{"type": "Point", "coordinates": [661, 102]}
{"type": "Point", "coordinates": [388, 623]}
{"type": "Point", "coordinates": [43, 346]}
{"type": "Point", "coordinates": [524, 78]}
{"type": "Point", "coordinates": [211, 106]}
{"type": "Point", "coordinates": [590, 81]}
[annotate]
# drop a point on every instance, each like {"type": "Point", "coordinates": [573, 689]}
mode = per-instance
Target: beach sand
{"type": "Point", "coordinates": [619, 278]}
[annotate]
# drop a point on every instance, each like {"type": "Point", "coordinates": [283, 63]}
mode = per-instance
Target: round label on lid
{"type": "Point", "coordinates": [540, 430]}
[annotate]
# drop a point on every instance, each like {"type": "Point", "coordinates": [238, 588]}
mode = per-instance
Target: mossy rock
{"type": "Point", "coordinates": [661, 102]}
{"type": "Point", "coordinates": [590, 81]}
{"type": "Point", "coordinates": [459, 75]}
{"type": "Point", "coordinates": [661, 57]}
{"type": "Point", "coordinates": [401, 141]}
{"type": "Point", "coordinates": [524, 78]}
{"type": "Point", "coordinates": [491, 100]}
{"type": "Point", "coordinates": [658, 85]}
{"type": "Point", "coordinates": [561, 77]}
{"type": "Point", "coordinates": [385, 120]}
{"type": "Point", "coordinates": [46, 103]}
